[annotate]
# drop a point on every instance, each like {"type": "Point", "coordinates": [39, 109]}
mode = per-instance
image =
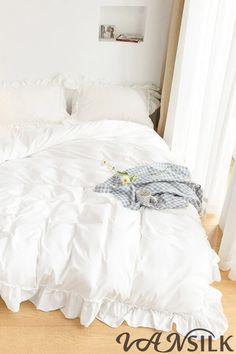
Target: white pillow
{"type": "Point", "coordinates": [112, 102]}
{"type": "Point", "coordinates": [24, 102]}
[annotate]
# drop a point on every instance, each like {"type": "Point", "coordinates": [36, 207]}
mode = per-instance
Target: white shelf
{"type": "Point", "coordinates": [107, 40]}
{"type": "Point", "coordinates": [118, 42]}
{"type": "Point", "coordinates": [126, 19]}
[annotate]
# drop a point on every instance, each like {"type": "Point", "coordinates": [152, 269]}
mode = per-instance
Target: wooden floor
{"type": "Point", "coordinates": [35, 332]}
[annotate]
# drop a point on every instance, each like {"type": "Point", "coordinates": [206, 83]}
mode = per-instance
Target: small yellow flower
{"type": "Point", "coordinates": [125, 179]}
{"type": "Point", "coordinates": [104, 162]}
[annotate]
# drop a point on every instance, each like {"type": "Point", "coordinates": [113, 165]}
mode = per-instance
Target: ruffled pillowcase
{"type": "Point", "coordinates": [32, 102]}
{"type": "Point", "coordinates": [93, 102]}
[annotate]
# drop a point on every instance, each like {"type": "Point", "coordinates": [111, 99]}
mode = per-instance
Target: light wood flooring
{"type": "Point", "coordinates": [35, 332]}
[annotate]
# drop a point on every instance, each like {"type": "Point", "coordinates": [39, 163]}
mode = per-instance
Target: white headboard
{"type": "Point", "coordinates": [39, 38]}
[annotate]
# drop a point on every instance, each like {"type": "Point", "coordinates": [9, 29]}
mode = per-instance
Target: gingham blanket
{"type": "Point", "coordinates": [169, 184]}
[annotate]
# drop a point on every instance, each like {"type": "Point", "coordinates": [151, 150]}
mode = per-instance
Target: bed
{"type": "Point", "coordinates": [64, 246]}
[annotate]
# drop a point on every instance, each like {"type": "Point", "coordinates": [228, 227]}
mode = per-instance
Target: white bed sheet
{"type": "Point", "coordinates": [63, 246]}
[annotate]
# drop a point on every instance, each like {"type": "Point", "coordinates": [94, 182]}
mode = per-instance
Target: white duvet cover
{"type": "Point", "coordinates": [63, 246]}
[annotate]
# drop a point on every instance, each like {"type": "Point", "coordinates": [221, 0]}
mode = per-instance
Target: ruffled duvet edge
{"type": "Point", "coordinates": [114, 313]}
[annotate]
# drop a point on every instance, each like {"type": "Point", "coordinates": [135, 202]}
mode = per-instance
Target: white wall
{"type": "Point", "coordinates": [39, 38]}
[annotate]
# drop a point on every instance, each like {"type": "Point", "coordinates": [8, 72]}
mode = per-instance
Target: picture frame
{"type": "Point", "coordinates": [107, 32]}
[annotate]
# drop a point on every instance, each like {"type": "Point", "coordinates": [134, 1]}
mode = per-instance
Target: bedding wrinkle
{"type": "Point", "coordinates": [63, 246]}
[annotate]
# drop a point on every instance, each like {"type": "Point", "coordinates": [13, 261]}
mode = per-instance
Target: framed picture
{"type": "Point", "coordinates": [107, 32]}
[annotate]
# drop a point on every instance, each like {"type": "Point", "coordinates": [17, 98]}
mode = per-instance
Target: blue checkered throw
{"type": "Point", "coordinates": [170, 186]}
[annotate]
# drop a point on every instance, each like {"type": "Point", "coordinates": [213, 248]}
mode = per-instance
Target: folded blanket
{"type": "Point", "coordinates": [158, 186]}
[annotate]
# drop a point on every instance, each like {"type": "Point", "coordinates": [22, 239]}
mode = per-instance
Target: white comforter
{"type": "Point", "coordinates": [63, 246]}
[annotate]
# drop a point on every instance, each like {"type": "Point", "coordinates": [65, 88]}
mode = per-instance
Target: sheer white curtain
{"type": "Point", "coordinates": [228, 223]}
{"type": "Point", "coordinates": [201, 124]}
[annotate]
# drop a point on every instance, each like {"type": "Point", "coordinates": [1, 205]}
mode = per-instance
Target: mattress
{"type": "Point", "coordinates": [64, 246]}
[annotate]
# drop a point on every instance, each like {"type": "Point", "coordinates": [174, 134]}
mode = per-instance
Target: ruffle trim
{"type": "Point", "coordinates": [114, 313]}
{"type": "Point", "coordinates": [56, 80]}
